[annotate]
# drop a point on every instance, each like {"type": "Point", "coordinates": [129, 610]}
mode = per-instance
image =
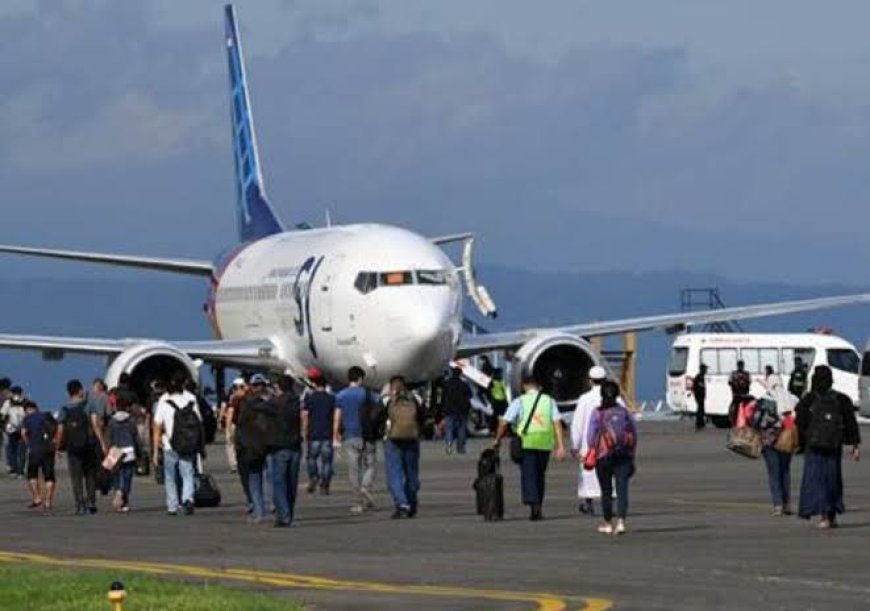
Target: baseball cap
{"type": "Point", "coordinates": [313, 373]}
{"type": "Point", "coordinates": [239, 382]}
{"type": "Point", "coordinates": [259, 378]}
{"type": "Point", "coordinates": [598, 373]}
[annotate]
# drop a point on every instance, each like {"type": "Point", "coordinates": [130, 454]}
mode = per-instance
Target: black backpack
{"type": "Point", "coordinates": [373, 418]}
{"type": "Point", "coordinates": [259, 422]}
{"type": "Point", "coordinates": [76, 428]}
{"type": "Point", "coordinates": [825, 432]}
{"type": "Point", "coordinates": [186, 437]}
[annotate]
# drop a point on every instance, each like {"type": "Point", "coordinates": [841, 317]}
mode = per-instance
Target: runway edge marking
{"type": "Point", "coordinates": [544, 601]}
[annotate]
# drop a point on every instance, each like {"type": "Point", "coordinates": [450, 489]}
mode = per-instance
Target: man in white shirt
{"type": "Point", "coordinates": [588, 488]}
{"type": "Point", "coordinates": [179, 452]}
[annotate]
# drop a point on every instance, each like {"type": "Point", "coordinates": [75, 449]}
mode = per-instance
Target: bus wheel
{"type": "Point", "coordinates": [721, 422]}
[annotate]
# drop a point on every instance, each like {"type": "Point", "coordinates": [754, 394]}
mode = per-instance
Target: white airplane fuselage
{"type": "Point", "coordinates": [378, 297]}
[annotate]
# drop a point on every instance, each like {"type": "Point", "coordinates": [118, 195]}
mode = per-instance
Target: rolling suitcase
{"type": "Point", "coordinates": [489, 487]}
{"type": "Point", "coordinates": [206, 492]}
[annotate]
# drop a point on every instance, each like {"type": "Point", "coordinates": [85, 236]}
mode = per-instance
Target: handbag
{"type": "Point", "coordinates": [787, 440]}
{"type": "Point", "coordinates": [516, 447]}
{"type": "Point", "coordinates": [744, 441]}
{"type": "Point", "coordinates": [590, 460]}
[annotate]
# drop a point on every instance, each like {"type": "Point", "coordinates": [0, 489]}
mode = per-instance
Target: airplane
{"type": "Point", "coordinates": [380, 297]}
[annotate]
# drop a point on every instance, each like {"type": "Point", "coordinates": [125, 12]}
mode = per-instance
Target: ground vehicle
{"type": "Point", "coordinates": [864, 382]}
{"type": "Point", "coordinates": [721, 351]}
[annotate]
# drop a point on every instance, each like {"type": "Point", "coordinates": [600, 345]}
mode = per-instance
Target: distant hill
{"type": "Point", "coordinates": [154, 305]}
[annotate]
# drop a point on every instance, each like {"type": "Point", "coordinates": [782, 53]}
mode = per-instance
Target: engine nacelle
{"type": "Point", "coordinates": [561, 363]}
{"type": "Point", "coordinates": [148, 361]}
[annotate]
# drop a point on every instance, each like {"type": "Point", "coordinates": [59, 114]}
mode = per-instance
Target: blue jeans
{"type": "Point", "coordinates": [15, 453]}
{"type": "Point", "coordinates": [403, 472]}
{"type": "Point", "coordinates": [321, 473]}
{"type": "Point", "coordinates": [124, 479]}
{"type": "Point", "coordinates": [285, 480]}
{"type": "Point", "coordinates": [618, 470]}
{"type": "Point", "coordinates": [778, 475]}
{"type": "Point", "coordinates": [172, 464]}
{"type": "Point", "coordinates": [457, 431]}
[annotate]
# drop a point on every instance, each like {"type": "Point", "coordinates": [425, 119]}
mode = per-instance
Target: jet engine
{"type": "Point", "coordinates": [147, 361]}
{"type": "Point", "coordinates": [560, 362]}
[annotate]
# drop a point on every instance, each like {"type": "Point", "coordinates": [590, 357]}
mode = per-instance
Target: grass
{"type": "Point", "coordinates": [29, 587]}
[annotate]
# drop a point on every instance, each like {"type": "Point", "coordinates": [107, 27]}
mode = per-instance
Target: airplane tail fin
{"type": "Point", "coordinates": [256, 219]}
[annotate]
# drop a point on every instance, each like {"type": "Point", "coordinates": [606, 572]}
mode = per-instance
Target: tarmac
{"type": "Point", "coordinates": [701, 537]}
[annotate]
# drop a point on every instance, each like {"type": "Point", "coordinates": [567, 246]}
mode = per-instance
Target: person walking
{"type": "Point", "coordinates": [536, 419]}
{"type": "Point", "coordinates": [402, 448]}
{"type": "Point", "coordinates": [178, 430]}
{"type": "Point", "coordinates": [798, 381]}
{"type": "Point", "coordinates": [498, 398]}
{"type": "Point", "coordinates": [286, 451]}
{"type": "Point", "coordinates": [699, 391]}
{"type": "Point", "coordinates": [826, 423]}
{"type": "Point", "coordinates": [77, 436]}
{"type": "Point", "coordinates": [357, 426]}
{"type": "Point", "coordinates": [318, 415]}
{"type": "Point", "coordinates": [588, 489]}
{"type": "Point", "coordinates": [230, 418]}
{"type": "Point", "coordinates": [123, 439]}
{"type": "Point", "coordinates": [38, 434]}
{"type": "Point", "coordinates": [13, 414]}
{"type": "Point", "coordinates": [767, 420]}
{"type": "Point", "coordinates": [613, 439]}
{"type": "Point", "coordinates": [456, 408]}
{"type": "Point", "coordinates": [255, 433]}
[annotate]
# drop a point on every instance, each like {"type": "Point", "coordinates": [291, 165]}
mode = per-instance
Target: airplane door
{"type": "Point", "coordinates": [325, 290]}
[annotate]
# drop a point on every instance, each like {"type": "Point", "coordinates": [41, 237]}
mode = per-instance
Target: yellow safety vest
{"type": "Point", "coordinates": [541, 433]}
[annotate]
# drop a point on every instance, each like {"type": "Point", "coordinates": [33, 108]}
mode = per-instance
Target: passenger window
{"type": "Point", "coordinates": [844, 360]}
{"type": "Point", "coordinates": [727, 360]}
{"type": "Point", "coordinates": [807, 355]}
{"type": "Point", "coordinates": [769, 356]}
{"type": "Point", "coordinates": [396, 278]}
{"type": "Point", "coordinates": [432, 277]}
{"type": "Point", "coordinates": [751, 359]}
{"type": "Point", "coordinates": [366, 282]}
{"type": "Point", "coordinates": [710, 358]}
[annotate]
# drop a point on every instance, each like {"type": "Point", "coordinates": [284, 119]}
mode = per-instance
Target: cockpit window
{"type": "Point", "coordinates": [366, 282]}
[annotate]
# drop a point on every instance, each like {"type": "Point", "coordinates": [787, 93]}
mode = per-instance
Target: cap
{"type": "Point", "coordinates": [313, 373]}
{"type": "Point", "coordinates": [239, 382]}
{"type": "Point", "coordinates": [259, 378]}
{"type": "Point", "coordinates": [597, 373]}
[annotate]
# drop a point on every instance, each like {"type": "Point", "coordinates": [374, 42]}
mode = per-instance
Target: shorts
{"type": "Point", "coordinates": [40, 462]}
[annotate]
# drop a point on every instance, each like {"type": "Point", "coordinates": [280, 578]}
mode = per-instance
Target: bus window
{"type": "Point", "coordinates": [727, 360]}
{"type": "Point", "coordinates": [751, 359]}
{"type": "Point", "coordinates": [843, 359]}
{"type": "Point", "coordinates": [679, 362]}
{"type": "Point", "coordinates": [768, 357]}
{"type": "Point", "coordinates": [710, 358]}
{"type": "Point", "coordinates": [865, 365]}
{"type": "Point", "coordinates": [807, 355]}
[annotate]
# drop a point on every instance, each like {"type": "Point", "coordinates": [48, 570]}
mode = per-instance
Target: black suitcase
{"type": "Point", "coordinates": [489, 491]}
{"type": "Point", "coordinates": [206, 493]}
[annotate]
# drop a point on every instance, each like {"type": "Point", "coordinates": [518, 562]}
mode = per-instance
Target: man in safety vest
{"type": "Point", "coordinates": [498, 398]}
{"type": "Point", "coordinates": [536, 419]}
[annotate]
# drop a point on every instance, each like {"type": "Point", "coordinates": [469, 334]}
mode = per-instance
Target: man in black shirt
{"type": "Point", "coordinates": [699, 390]}
{"type": "Point", "coordinates": [457, 406]}
{"type": "Point", "coordinates": [286, 451]}
{"type": "Point", "coordinates": [318, 413]}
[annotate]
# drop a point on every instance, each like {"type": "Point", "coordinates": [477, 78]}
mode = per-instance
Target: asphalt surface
{"type": "Point", "coordinates": [702, 537]}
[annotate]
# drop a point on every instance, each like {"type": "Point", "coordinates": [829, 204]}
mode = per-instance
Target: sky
{"type": "Point", "coordinates": [730, 137]}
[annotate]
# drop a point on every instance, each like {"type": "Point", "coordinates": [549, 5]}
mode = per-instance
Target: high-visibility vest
{"type": "Point", "coordinates": [497, 391]}
{"type": "Point", "coordinates": [541, 433]}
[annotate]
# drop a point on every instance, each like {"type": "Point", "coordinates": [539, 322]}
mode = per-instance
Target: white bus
{"type": "Point", "coordinates": [721, 351]}
{"type": "Point", "coordinates": [864, 384]}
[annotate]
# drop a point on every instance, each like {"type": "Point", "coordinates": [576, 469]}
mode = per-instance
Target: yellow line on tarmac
{"type": "Point", "coordinates": [543, 601]}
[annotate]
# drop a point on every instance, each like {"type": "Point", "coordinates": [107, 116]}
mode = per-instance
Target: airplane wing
{"type": "Point", "coordinates": [477, 344]}
{"type": "Point", "coordinates": [180, 266]}
{"type": "Point", "coordinates": [242, 353]}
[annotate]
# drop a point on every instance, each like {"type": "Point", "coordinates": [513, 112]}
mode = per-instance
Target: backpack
{"type": "Point", "coordinates": [616, 437]}
{"type": "Point", "coordinates": [186, 429]}
{"type": "Point", "coordinates": [825, 431]}
{"type": "Point", "coordinates": [76, 428]}
{"type": "Point", "coordinates": [258, 424]}
{"type": "Point", "coordinates": [372, 418]}
{"type": "Point", "coordinates": [404, 425]}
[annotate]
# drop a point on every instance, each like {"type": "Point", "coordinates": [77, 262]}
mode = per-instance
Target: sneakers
{"type": "Point", "coordinates": [124, 509]}
{"type": "Point", "coordinates": [606, 528]}
{"type": "Point", "coordinates": [620, 527]}
{"type": "Point", "coordinates": [188, 508]}
{"type": "Point", "coordinates": [777, 511]}
{"type": "Point", "coordinates": [587, 507]}
{"type": "Point", "coordinates": [448, 449]}
{"type": "Point", "coordinates": [368, 500]}
{"type": "Point", "coordinates": [281, 524]}
{"type": "Point", "coordinates": [357, 509]}
{"type": "Point", "coordinates": [118, 500]}
{"type": "Point", "coordinates": [786, 510]}
{"type": "Point", "coordinates": [403, 511]}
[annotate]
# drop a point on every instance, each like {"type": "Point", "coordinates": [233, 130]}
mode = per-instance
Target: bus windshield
{"type": "Point", "coordinates": [679, 361]}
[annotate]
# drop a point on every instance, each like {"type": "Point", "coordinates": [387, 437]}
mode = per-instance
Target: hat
{"type": "Point", "coordinates": [598, 373]}
{"type": "Point", "coordinates": [313, 373]}
{"type": "Point", "coordinates": [259, 378]}
{"type": "Point", "coordinates": [239, 382]}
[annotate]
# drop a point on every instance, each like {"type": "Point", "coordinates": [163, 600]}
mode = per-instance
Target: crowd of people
{"type": "Point", "coordinates": [270, 426]}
